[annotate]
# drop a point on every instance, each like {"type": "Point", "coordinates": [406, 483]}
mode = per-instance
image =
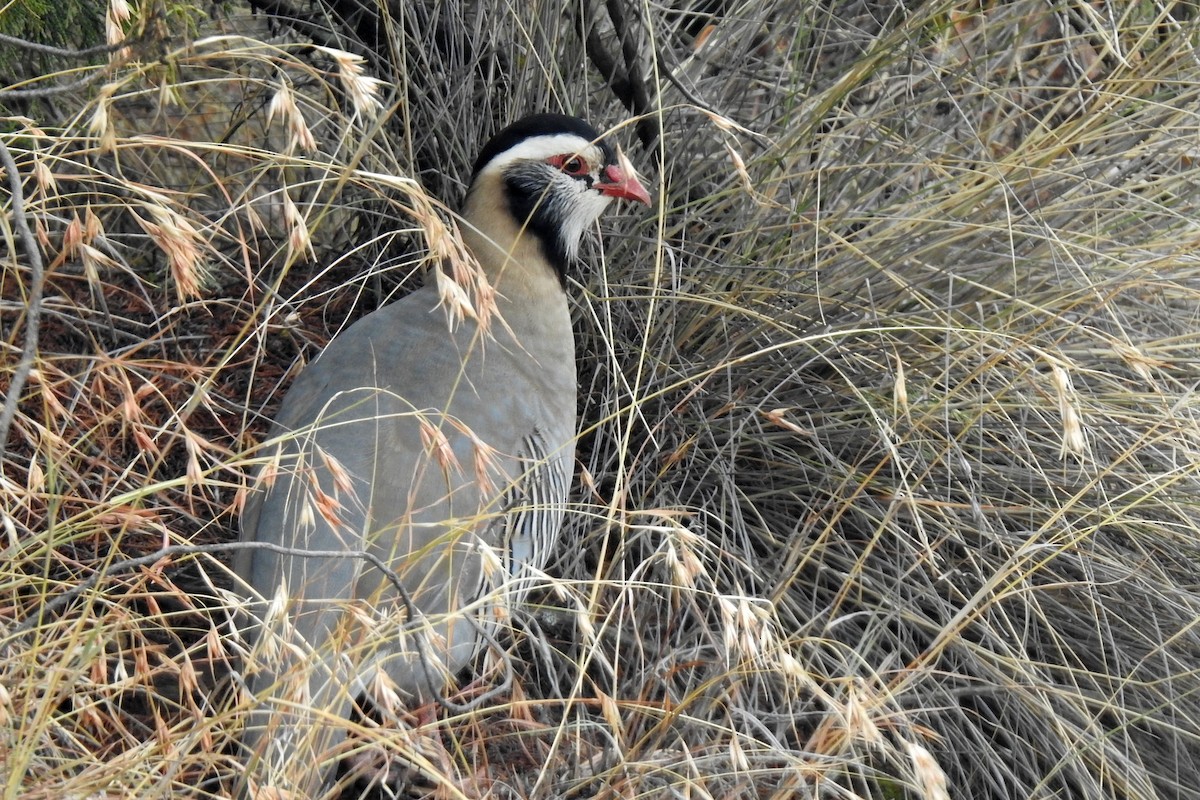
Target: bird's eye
{"type": "Point", "coordinates": [574, 165]}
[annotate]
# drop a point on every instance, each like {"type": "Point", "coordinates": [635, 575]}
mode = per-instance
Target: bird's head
{"type": "Point", "coordinates": [554, 175]}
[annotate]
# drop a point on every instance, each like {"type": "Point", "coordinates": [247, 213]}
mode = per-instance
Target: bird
{"type": "Point", "coordinates": [415, 465]}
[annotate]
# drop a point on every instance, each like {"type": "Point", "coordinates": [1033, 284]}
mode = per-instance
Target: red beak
{"type": "Point", "coordinates": [619, 180]}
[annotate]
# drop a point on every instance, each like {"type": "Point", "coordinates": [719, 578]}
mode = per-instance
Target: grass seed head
{"type": "Point", "coordinates": [183, 246]}
{"type": "Point", "coordinates": [283, 104]}
{"type": "Point", "coordinates": [930, 776]}
{"type": "Point", "coordinates": [300, 246]}
{"type": "Point", "coordinates": [362, 89]}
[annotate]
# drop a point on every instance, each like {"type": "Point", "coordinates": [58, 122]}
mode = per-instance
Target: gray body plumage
{"type": "Point", "coordinates": [446, 453]}
{"type": "Point", "coordinates": [429, 530]}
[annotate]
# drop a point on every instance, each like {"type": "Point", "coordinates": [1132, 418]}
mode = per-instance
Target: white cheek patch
{"type": "Point", "coordinates": [581, 214]}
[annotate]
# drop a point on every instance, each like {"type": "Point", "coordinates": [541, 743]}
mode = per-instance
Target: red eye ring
{"type": "Point", "coordinates": [571, 165]}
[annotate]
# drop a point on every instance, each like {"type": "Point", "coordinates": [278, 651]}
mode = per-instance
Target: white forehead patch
{"type": "Point", "coordinates": [540, 148]}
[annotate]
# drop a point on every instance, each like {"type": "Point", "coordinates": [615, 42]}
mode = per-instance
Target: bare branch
{"type": "Point", "coordinates": [33, 311]}
{"type": "Point", "coordinates": [62, 52]}
{"type": "Point", "coordinates": [50, 91]}
{"type": "Point", "coordinates": [649, 127]}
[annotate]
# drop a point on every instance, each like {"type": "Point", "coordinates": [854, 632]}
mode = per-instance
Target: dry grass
{"type": "Point", "coordinates": [889, 447]}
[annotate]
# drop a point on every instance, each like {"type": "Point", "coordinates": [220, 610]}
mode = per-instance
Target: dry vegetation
{"type": "Point", "coordinates": [889, 457]}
